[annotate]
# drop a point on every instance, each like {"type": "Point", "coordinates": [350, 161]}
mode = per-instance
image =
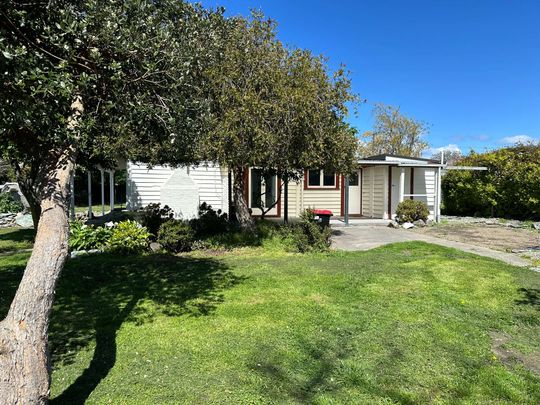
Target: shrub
{"type": "Point", "coordinates": [308, 235]}
{"type": "Point", "coordinates": [85, 237]}
{"type": "Point", "coordinates": [9, 204]}
{"type": "Point", "coordinates": [176, 236]}
{"type": "Point", "coordinates": [153, 215]}
{"type": "Point", "coordinates": [210, 222]}
{"type": "Point", "coordinates": [412, 210]}
{"type": "Point", "coordinates": [509, 188]}
{"type": "Point", "coordinates": [128, 237]}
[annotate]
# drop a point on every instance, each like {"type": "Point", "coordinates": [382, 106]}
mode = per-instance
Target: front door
{"type": "Point", "coordinates": [355, 193]}
{"type": "Point", "coordinates": [263, 193]}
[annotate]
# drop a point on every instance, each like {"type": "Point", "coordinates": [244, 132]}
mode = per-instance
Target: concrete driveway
{"type": "Point", "coordinates": [369, 237]}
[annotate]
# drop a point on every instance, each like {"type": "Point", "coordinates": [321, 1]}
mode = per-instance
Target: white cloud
{"type": "Point", "coordinates": [434, 151]}
{"type": "Point", "coordinates": [511, 140]}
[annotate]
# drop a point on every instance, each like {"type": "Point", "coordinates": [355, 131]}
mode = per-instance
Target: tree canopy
{"type": "Point", "coordinates": [135, 66]}
{"type": "Point", "coordinates": [394, 133]}
{"type": "Point", "coordinates": [275, 108]}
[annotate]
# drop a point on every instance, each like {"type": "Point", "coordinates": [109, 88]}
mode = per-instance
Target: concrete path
{"type": "Point", "coordinates": [369, 237]}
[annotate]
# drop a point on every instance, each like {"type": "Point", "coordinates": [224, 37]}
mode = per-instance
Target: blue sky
{"type": "Point", "coordinates": [471, 69]}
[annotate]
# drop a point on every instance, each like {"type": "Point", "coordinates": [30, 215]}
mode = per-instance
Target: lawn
{"type": "Point", "coordinates": [406, 323]}
{"type": "Point", "coordinates": [12, 239]}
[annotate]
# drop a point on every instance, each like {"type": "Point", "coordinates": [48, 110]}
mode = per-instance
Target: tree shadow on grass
{"type": "Point", "coordinates": [16, 239]}
{"type": "Point", "coordinates": [531, 296]}
{"type": "Point", "coordinates": [97, 294]}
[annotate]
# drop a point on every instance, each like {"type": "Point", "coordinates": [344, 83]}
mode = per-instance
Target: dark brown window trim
{"type": "Point", "coordinates": [308, 187]}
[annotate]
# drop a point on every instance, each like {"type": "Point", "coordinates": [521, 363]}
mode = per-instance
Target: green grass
{"type": "Point", "coordinates": [406, 323]}
{"type": "Point", "coordinates": [96, 209]}
{"type": "Point", "coordinates": [13, 239]}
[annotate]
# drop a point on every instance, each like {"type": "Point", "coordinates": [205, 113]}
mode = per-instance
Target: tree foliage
{"type": "Point", "coordinates": [135, 67]}
{"type": "Point", "coordinates": [275, 108]}
{"type": "Point", "coordinates": [509, 188]}
{"type": "Point", "coordinates": [394, 133]}
{"type": "Point", "coordinates": [451, 156]}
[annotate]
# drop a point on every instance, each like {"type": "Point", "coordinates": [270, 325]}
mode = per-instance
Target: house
{"type": "Point", "coordinates": [374, 190]}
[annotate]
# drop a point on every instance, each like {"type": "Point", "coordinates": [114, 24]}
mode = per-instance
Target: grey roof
{"type": "Point", "coordinates": [385, 155]}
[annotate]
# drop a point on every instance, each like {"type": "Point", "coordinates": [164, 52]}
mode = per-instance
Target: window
{"type": "Point", "coordinates": [263, 189]}
{"type": "Point", "coordinates": [329, 179]}
{"type": "Point", "coordinates": [353, 179]}
{"type": "Point", "coordinates": [320, 178]}
{"type": "Point", "coordinates": [314, 179]}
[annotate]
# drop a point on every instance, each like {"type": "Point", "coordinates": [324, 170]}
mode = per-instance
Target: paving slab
{"type": "Point", "coordinates": [369, 237]}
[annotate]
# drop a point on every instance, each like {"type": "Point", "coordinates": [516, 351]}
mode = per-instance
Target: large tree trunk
{"type": "Point", "coordinates": [24, 355]}
{"type": "Point", "coordinates": [242, 211]}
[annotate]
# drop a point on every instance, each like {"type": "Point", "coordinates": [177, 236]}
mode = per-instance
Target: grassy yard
{"type": "Point", "coordinates": [96, 208]}
{"type": "Point", "coordinates": [407, 323]}
{"type": "Point", "coordinates": [12, 240]}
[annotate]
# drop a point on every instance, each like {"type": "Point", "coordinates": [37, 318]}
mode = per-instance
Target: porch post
{"type": "Point", "coordinates": [111, 188]}
{"type": "Point", "coordinates": [346, 202]}
{"type": "Point", "coordinates": [102, 192]}
{"type": "Point", "coordinates": [72, 196]}
{"type": "Point", "coordinates": [89, 176]}
{"type": "Point", "coordinates": [401, 184]}
{"type": "Point", "coordinates": [438, 197]}
{"type": "Point", "coordinates": [286, 198]}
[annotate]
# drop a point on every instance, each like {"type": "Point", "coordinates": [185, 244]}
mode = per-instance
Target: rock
{"type": "Point", "coordinates": [155, 247]}
{"type": "Point", "coordinates": [393, 224]}
{"type": "Point", "coordinates": [420, 223]}
{"type": "Point", "coordinates": [24, 220]}
{"type": "Point", "coordinates": [7, 220]}
{"type": "Point", "coordinates": [512, 225]}
{"type": "Point", "coordinates": [430, 222]}
{"type": "Point", "coordinates": [408, 225]}
{"type": "Point", "coordinates": [536, 226]}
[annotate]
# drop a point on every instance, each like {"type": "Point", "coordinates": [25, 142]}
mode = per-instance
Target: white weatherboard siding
{"type": "Point", "coordinates": [145, 185]}
{"type": "Point", "coordinates": [424, 183]}
{"type": "Point", "coordinates": [396, 173]}
{"type": "Point", "coordinates": [326, 199]}
{"type": "Point", "coordinates": [212, 182]}
{"type": "Point", "coordinates": [375, 191]}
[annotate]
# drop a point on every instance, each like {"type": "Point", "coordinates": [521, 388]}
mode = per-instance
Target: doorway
{"type": "Point", "coordinates": [355, 193]}
{"type": "Point", "coordinates": [263, 193]}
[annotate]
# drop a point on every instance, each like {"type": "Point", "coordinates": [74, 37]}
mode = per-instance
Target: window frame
{"type": "Point", "coordinates": [321, 185]}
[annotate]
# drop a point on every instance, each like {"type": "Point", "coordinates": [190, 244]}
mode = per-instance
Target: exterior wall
{"type": "Point", "coordinates": [425, 183]}
{"type": "Point", "coordinates": [375, 192]}
{"type": "Point", "coordinates": [144, 185]}
{"type": "Point", "coordinates": [396, 173]}
{"type": "Point", "coordinates": [328, 199]}
{"type": "Point", "coordinates": [212, 182]}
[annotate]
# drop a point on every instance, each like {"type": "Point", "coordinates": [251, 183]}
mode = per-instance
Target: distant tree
{"type": "Point", "coordinates": [276, 109]}
{"type": "Point", "coordinates": [84, 82]}
{"type": "Point", "coordinates": [393, 133]}
{"type": "Point", "coordinates": [451, 156]}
